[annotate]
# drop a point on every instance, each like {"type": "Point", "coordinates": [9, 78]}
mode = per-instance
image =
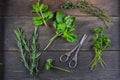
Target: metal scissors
{"type": "Point", "coordinates": [73, 61]}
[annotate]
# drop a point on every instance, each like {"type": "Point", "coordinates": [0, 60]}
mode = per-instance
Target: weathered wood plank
{"type": "Point", "coordinates": [23, 7]}
{"type": "Point", "coordinates": [83, 25]}
{"type": "Point", "coordinates": [14, 69]}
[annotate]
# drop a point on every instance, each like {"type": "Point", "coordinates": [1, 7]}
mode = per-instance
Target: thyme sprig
{"type": "Point", "coordinates": [88, 8]}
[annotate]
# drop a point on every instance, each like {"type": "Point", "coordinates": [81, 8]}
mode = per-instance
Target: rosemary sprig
{"type": "Point", "coordinates": [28, 49]}
{"type": "Point", "coordinates": [88, 8]}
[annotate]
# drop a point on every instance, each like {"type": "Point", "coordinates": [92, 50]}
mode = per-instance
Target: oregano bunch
{"type": "Point", "coordinates": [42, 12]}
{"type": "Point", "coordinates": [101, 42]}
{"type": "Point", "coordinates": [64, 26]}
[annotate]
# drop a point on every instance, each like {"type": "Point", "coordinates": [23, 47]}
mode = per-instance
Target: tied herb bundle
{"type": "Point", "coordinates": [28, 49]}
{"type": "Point", "coordinates": [101, 42]}
{"type": "Point", "coordinates": [88, 8]}
{"type": "Point", "coordinates": [49, 65]}
{"type": "Point", "coordinates": [43, 14]}
{"type": "Point", "coordinates": [64, 26]}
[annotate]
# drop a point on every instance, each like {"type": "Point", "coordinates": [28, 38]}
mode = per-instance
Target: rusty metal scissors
{"type": "Point", "coordinates": [73, 61]}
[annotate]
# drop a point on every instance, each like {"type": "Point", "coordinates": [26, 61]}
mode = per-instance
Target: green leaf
{"type": "Point", "coordinates": [55, 24]}
{"type": "Point", "coordinates": [71, 29]}
{"type": "Point", "coordinates": [60, 16]}
{"type": "Point", "coordinates": [70, 21]}
{"type": "Point", "coordinates": [70, 37]}
{"type": "Point", "coordinates": [43, 7]}
{"type": "Point", "coordinates": [48, 15]}
{"type": "Point", "coordinates": [61, 27]}
{"type": "Point", "coordinates": [37, 21]}
{"type": "Point", "coordinates": [48, 64]}
{"type": "Point", "coordinates": [36, 7]}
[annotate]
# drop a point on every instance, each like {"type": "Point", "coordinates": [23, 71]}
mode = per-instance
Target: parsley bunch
{"type": "Point", "coordinates": [28, 49]}
{"type": "Point", "coordinates": [49, 65]}
{"type": "Point", "coordinates": [101, 42]}
{"type": "Point", "coordinates": [43, 14]}
{"type": "Point", "coordinates": [64, 26]}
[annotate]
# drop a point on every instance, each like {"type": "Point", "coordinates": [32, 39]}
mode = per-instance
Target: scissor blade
{"type": "Point", "coordinates": [83, 39]}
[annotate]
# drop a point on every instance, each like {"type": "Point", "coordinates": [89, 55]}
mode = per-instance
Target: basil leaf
{"type": "Point", "coordinates": [61, 27]}
{"type": "Point", "coordinates": [60, 16]}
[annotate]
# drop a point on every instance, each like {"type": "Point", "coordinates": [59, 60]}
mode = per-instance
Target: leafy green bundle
{"type": "Point", "coordinates": [64, 26]}
{"type": "Point", "coordinates": [28, 49]}
{"type": "Point", "coordinates": [101, 42]}
{"type": "Point", "coordinates": [88, 8]}
{"type": "Point", "coordinates": [43, 14]}
{"type": "Point", "coordinates": [49, 65]}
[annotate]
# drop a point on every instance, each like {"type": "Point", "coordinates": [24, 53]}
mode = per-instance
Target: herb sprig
{"type": "Point", "coordinates": [49, 65]}
{"type": "Point", "coordinates": [88, 8]}
{"type": "Point", "coordinates": [64, 26]}
{"type": "Point", "coordinates": [101, 42]}
{"type": "Point", "coordinates": [28, 49]}
{"type": "Point", "coordinates": [43, 14]}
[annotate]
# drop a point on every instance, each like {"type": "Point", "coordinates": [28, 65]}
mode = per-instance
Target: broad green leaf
{"type": "Point", "coordinates": [70, 37]}
{"type": "Point", "coordinates": [71, 29]}
{"type": "Point", "coordinates": [48, 15]}
{"type": "Point", "coordinates": [60, 16]}
{"type": "Point", "coordinates": [61, 27]}
{"type": "Point", "coordinates": [70, 21]}
{"type": "Point", "coordinates": [55, 24]}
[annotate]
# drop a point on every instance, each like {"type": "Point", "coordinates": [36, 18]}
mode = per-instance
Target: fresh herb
{"type": "Point", "coordinates": [49, 65]}
{"type": "Point", "coordinates": [101, 42]}
{"type": "Point", "coordinates": [64, 26]}
{"type": "Point", "coordinates": [43, 14]}
{"type": "Point", "coordinates": [88, 8]}
{"type": "Point", "coordinates": [28, 49]}
{"type": "Point", "coordinates": [68, 5]}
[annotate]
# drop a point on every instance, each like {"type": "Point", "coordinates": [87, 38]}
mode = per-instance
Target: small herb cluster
{"type": "Point", "coordinates": [101, 42]}
{"type": "Point", "coordinates": [64, 26]}
{"type": "Point", "coordinates": [28, 49]}
{"type": "Point", "coordinates": [49, 65]}
{"type": "Point", "coordinates": [88, 8]}
{"type": "Point", "coordinates": [42, 14]}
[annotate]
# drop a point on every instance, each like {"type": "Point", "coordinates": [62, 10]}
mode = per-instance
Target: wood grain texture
{"type": "Point", "coordinates": [23, 7]}
{"type": "Point", "coordinates": [83, 25]}
{"type": "Point", "coordinates": [14, 69]}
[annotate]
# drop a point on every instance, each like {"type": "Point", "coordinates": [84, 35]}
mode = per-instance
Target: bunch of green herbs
{"type": "Point", "coordinates": [49, 65]}
{"type": "Point", "coordinates": [43, 14]}
{"type": "Point", "coordinates": [88, 8]}
{"type": "Point", "coordinates": [64, 26]}
{"type": "Point", "coordinates": [101, 42]}
{"type": "Point", "coordinates": [28, 49]}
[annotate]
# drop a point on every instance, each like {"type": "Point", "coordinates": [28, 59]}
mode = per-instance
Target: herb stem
{"type": "Point", "coordinates": [51, 40]}
{"type": "Point", "coordinates": [65, 70]}
{"type": "Point", "coordinates": [41, 15]}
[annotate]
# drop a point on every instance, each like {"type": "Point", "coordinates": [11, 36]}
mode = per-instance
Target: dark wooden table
{"type": "Point", "coordinates": [18, 13]}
